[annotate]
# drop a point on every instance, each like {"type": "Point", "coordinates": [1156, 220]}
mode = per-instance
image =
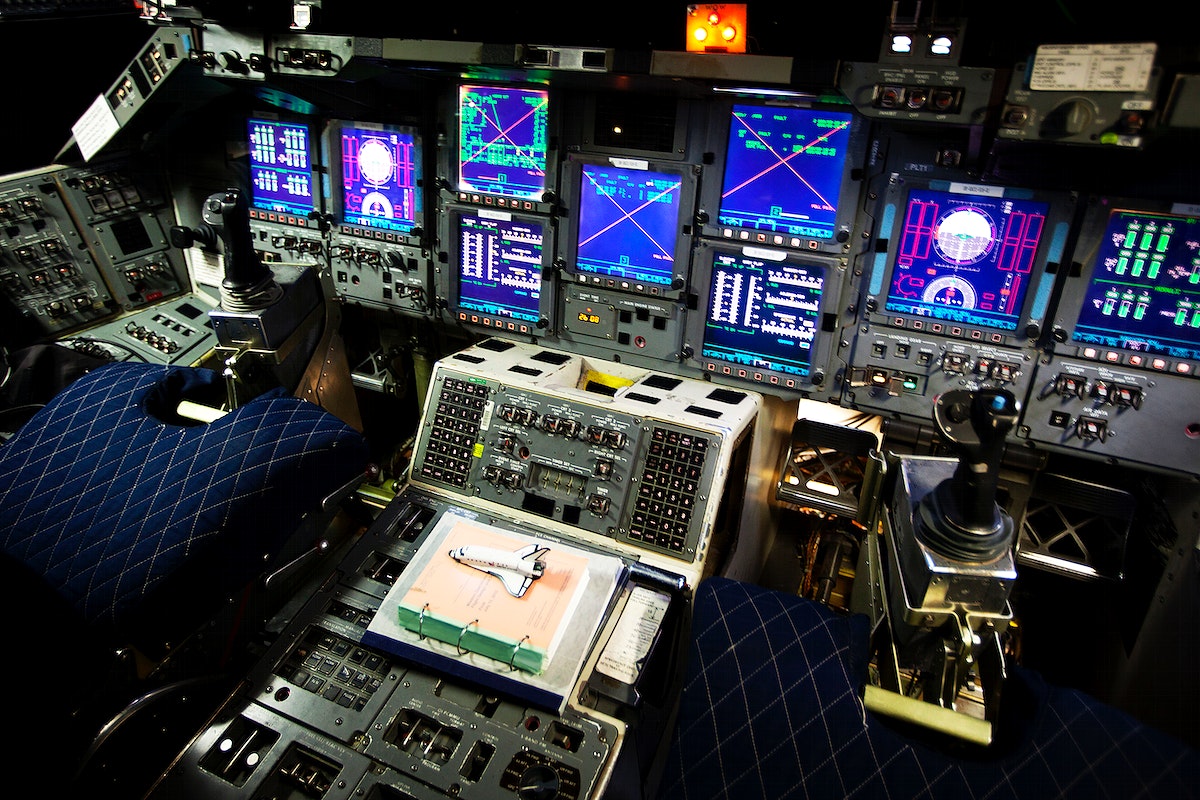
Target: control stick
{"type": "Point", "coordinates": [960, 518]}
{"type": "Point", "coordinates": [248, 282]}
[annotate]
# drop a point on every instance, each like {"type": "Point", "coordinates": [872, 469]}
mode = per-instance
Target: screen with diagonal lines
{"type": "Point", "coordinates": [628, 223]}
{"type": "Point", "coordinates": [783, 170]}
{"type": "Point", "coordinates": [502, 141]}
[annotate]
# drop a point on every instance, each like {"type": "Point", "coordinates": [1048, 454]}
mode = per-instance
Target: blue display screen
{"type": "Point", "coordinates": [502, 141]}
{"type": "Point", "coordinates": [764, 315]}
{"type": "Point", "coordinates": [965, 258]}
{"type": "Point", "coordinates": [500, 266]}
{"type": "Point", "coordinates": [1144, 291]}
{"type": "Point", "coordinates": [783, 170]}
{"type": "Point", "coordinates": [381, 178]}
{"type": "Point", "coordinates": [628, 223]}
{"type": "Point", "coordinates": [281, 177]}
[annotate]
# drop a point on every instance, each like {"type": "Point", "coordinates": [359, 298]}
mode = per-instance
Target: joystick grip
{"type": "Point", "coordinates": [975, 423]}
{"type": "Point", "coordinates": [228, 212]}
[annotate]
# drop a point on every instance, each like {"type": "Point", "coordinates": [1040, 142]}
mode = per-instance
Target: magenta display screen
{"type": "Point", "coordinates": [381, 178]}
{"type": "Point", "coordinates": [965, 258]}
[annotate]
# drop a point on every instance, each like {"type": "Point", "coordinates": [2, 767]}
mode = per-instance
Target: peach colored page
{"type": "Point", "coordinates": [461, 593]}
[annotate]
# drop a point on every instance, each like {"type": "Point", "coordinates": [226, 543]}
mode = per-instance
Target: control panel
{"type": "Point", "coordinates": [1117, 379]}
{"type": "Point", "coordinates": [46, 271]}
{"type": "Point", "coordinates": [83, 244]}
{"type": "Point", "coordinates": [125, 212]}
{"type": "Point", "coordinates": [176, 331]}
{"type": "Point", "coordinates": [615, 454]}
{"type": "Point", "coordinates": [956, 293]}
{"type": "Point", "coordinates": [323, 713]}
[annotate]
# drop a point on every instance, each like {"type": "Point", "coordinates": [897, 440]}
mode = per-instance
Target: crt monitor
{"type": "Point", "coordinates": [381, 178]}
{"type": "Point", "coordinates": [499, 270]}
{"type": "Point", "coordinates": [785, 176]}
{"type": "Point", "coordinates": [769, 315]}
{"type": "Point", "coordinates": [282, 176]}
{"type": "Point", "coordinates": [968, 261]}
{"type": "Point", "coordinates": [504, 143]}
{"type": "Point", "coordinates": [1139, 289]}
{"type": "Point", "coordinates": [631, 226]}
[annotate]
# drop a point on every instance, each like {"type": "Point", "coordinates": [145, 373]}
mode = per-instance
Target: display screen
{"type": "Point", "coordinates": [281, 176]}
{"type": "Point", "coordinates": [628, 223]}
{"type": "Point", "coordinates": [763, 314]}
{"type": "Point", "coordinates": [783, 170]}
{"type": "Point", "coordinates": [500, 265]}
{"type": "Point", "coordinates": [965, 258]}
{"type": "Point", "coordinates": [502, 141]}
{"type": "Point", "coordinates": [1144, 291]}
{"type": "Point", "coordinates": [381, 177]}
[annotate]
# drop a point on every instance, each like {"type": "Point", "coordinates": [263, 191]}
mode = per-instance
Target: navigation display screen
{"type": "Point", "coordinates": [965, 258]}
{"type": "Point", "coordinates": [502, 141]}
{"type": "Point", "coordinates": [762, 314]}
{"type": "Point", "coordinates": [628, 223]}
{"type": "Point", "coordinates": [381, 176]}
{"type": "Point", "coordinates": [784, 170]}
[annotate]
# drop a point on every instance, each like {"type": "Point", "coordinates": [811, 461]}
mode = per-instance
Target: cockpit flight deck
{"type": "Point", "coordinates": [719, 400]}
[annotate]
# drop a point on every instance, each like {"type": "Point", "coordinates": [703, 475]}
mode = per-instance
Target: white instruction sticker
{"type": "Point", "coordinates": [95, 128]}
{"type": "Point", "coordinates": [625, 654]}
{"type": "Point", "coordinates": [1093, 67]}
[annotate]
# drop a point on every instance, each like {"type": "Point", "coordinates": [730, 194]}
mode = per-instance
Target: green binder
{"type": "Point", "coordinates": [469, 637]}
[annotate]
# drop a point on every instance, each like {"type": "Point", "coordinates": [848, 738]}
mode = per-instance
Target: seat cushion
{"type": "Point", "coordinates": [771, 708]}
{"type": "Point", "coordinates": [120, 506]}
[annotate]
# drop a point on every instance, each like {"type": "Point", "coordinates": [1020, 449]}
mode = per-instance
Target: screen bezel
{"type": "Point", "coordinates": [449, 276]}
{"type": "Point", "coordinates": [1077, 288]}
{"type": "Point", "coordinates": [572, 183]}
{"type": "Point", "coordinates": [337, 200]}
{"type": "Point", "coordinates": [823, 348]}
{"type": "Point", "coordinates": [1035, 306]}
{"type": "Point", "coordinates": [850, 187]}
{"type": "Point", "coordinates": [267, 211]}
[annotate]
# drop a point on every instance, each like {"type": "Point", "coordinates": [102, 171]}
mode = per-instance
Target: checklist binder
{"type": "Point", "coordinates": [463, 621]}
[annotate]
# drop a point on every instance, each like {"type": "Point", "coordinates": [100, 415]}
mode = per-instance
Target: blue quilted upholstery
{"type": "Point", "coordinates": [124, 514]}
{"type": "Point", "coordinates": [771, 708]}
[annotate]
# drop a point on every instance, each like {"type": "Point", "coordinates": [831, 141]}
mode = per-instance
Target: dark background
{"type": "Point", "coordinates": [62, 55]}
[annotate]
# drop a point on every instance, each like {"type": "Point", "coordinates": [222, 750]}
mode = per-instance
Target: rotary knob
{"type": "Point", "coordinates": [539, 782]}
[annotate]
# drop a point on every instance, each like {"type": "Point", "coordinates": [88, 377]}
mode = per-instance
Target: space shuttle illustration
{"type": "Point", "coordinates": [516, 569]}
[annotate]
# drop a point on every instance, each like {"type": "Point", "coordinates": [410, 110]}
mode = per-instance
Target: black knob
{"type": "Point", "coordinates": [539, 782]}
{"type": "Point", "coordinates": [181, 237]}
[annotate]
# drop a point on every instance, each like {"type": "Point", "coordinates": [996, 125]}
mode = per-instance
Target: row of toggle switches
{"type": "Point", "coordinates": [1110, 392]}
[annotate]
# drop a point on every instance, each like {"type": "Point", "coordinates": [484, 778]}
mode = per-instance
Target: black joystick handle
{"type": "Point", "coordinates": [975, 424]}
{"type": "Point", "coordinates": [228, 212]}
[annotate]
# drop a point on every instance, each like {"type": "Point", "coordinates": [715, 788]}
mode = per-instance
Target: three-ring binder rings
{"type": "Point", "coordinates": [460, 617]}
